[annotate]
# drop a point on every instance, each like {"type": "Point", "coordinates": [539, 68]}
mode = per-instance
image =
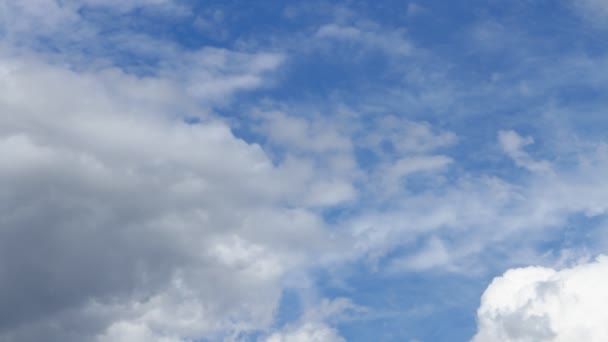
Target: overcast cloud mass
{"type": "Point", "coordinates": [310, 171]}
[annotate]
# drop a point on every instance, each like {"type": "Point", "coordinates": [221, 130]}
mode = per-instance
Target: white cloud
{"type": "Point", "coordinates": [433, 254]}
{"type": "Point", "coordinates": [330, 193]}
{"type": "Point", "coordinates": [314, 327]}
{"type": "Point", "coordinates": [130, 332]}
{"type": "Point", "coordinates": [309, 332]}
{"type": "Point", "coordinates": [116, 214]}
{"type": "Point", "coordinates": [391, 42]}
{"type": "Point", "coordinates": [409, 136]}
{"type": "Point", "coordinates": [394, 173]}
{"type": "Point", "coordinates": [317, 135]}
{"type": "Point", "coordinates": [543, 304]}
{"type": "Point", "coordinates": [313, 147]}
{"type": "Point", "coordinates": [483, 215]}
{"type": "Point", "coordinates": [512, 144]}
{"type": "Point", "coordinates": [31, 18]}
{"type": "Point", "coordinates": [212, 74]}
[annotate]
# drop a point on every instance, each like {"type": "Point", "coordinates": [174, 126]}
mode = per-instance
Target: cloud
{"type": "Point", "coordinates": [371, 37]}
{"type": "Point", "coordinates": [128, 5]}
{"type": "Point", "coordinates": [117, 213]}
{"type": "Point", "coordinates": [433, 254]}
{"type": "Point", "coordinates": [316, 149]}
{"type": "Point", "coordinates": [309, 332]}
{"type": "Point", "coordinates": [594, 10]}
{"type": "Point", "coordinates": [543, 304]}
{"type": "Point", "coordinates": [312, 134]}
{"type": "Point", "coordinates": [481, 216]}
{"type": "Point", "coordinates": [415, 10]}
{"type": "Point", "coordinates": [35, 18]}
{"type": "Point", "coordinates": [109, 159]}
{"type": "Point", "coordinates": [407, 136]}
{"type": "Point", "coordinates": [394, 173]}
{"type": "Point", "coordinates": [212, 74]}
{"type": "Point", "coordinates": [314, 327]}
{"type": "Point", "coordinates": [513, 144]}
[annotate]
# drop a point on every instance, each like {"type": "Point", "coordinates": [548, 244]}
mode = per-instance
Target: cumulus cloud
{"type": "Point", "coordinates": [123, 222]}
{"type": "Point", "coordinates": [544, 304]}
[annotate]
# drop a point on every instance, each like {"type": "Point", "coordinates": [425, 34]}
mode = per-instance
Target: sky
{"type": "Point", "coordinates": [303, 171]}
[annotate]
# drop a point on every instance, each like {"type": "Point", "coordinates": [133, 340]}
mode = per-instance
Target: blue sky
{"type": "Point", "coordinates": [303, 171]}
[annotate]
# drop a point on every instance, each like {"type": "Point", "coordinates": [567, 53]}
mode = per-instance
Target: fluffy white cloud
{"type": "Point", "coordinates": [543, 304]}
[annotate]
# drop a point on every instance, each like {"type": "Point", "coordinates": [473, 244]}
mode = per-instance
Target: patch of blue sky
{"type": "Point", "coordinates": [580, 231]}
{"type": "Point", "coordinates": [424, 306]}
{"type": "Point", "coordinates": [290, 308]}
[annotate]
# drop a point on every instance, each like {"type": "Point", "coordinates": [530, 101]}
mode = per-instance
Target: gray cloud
{"type": "Point", "coordinates": [118, 218]}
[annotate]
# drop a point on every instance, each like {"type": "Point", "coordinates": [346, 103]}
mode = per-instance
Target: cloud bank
{"type": "Point", "coordinates": [136, 223]}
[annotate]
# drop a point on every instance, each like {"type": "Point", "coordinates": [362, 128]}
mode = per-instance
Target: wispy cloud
{"type": "Point", "coordinates": [371, 37]}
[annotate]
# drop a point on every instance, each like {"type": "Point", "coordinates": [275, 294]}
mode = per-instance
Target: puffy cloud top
{"type": "Point", "coordinates": [543, 304]}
